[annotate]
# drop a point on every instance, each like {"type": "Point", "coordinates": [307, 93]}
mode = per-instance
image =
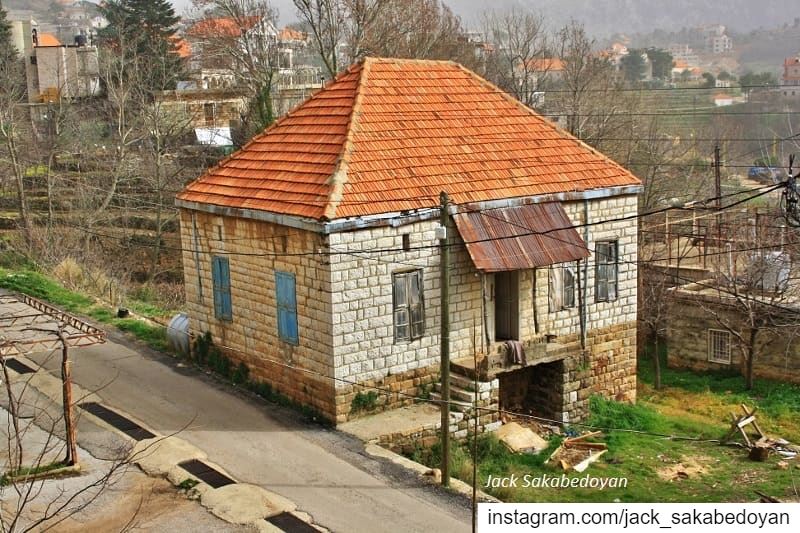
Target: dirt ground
{"type": "Point", "coordinates": [96, 499]}
{"type": "Point", "coordinates": [145, 504]}
{"type": "Point", "coordinates": [686, 468]}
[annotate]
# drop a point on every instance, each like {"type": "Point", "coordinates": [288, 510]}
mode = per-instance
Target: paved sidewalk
{"type": "Point", "coordinates": [324, 472]}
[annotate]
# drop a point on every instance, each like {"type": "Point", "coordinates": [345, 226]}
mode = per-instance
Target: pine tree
{"type": "Point", "coordinates": [7, 50]}
{"type": "Point", "coordinates": [144, 32]}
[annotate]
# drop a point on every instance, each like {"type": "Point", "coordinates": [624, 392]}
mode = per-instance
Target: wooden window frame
{"type": "Point", "coordinates": [606, 271]}
{"type": "Point", "coordinates": [404, 307]}
{"type": "Point", "coordinates": [223, 305]}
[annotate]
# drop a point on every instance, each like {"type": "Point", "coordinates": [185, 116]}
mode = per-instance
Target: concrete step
{"type": "Point", "coordinates": [457, 393]}
{"type": "Point", "coordinates": [467, 383]}
{"type": "Point", "coordinates": [455, 405]}
{"type": "Point", "coordinates": [463, 367]}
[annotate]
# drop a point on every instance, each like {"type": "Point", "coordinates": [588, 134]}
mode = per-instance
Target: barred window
{"type": "Point", "coordinates": [409, 306]}
{"type": "Point", "coordinates": [719, 346]}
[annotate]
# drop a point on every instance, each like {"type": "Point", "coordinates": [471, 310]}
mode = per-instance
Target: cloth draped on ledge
{"type": "Point", "coordinates": [516, 353]}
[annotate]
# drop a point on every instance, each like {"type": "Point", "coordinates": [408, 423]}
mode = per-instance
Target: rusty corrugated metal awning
{"type": "Point", "coordinates": [520, 238]}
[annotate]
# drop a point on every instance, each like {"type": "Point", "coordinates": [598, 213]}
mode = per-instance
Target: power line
{"type": "Point", "coordinates": [661, 89]}
{"type": "Point", "coordinates": [425, 247]}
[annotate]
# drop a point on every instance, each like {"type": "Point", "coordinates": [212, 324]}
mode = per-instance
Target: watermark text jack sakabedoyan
{"type": "Point", "coordinates": [545, 481]}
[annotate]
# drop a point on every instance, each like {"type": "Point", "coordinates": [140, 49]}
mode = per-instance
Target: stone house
{"type": "Point", "coordinates": [701, 322]}
{"type": "Point", "coordinates": [713, 279]}
{"type": "Point", "coordinates": [312, 254]}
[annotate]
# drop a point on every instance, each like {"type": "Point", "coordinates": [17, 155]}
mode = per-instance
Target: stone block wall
{"type": "Point", "coordinates": [599, 314]}
{"type": "Point", "coordinates": [607, 368]}
{"type": "Point", "coordinates": [345, 306]}
{"type": "Point", "coordinates": [365, 351]}
{"type": "Point", "coordinates": [255, 250]}
{"type": "Point", "coordinates": [688, 322]}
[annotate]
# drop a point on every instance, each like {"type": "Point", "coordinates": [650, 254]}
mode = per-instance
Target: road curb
{"type": "Point", "coordinates": [426, 474]}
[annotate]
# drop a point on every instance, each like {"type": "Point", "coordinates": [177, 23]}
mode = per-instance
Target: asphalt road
{"type": "Point", "coordinates": [323, 471]}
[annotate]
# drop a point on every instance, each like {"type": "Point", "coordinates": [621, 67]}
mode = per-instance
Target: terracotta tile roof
{"type": "Point", "coordinates": [222, 26]}
{"type": "Point", "coordinates": [389, 135]}
{"type": "Point", "coordinates": [48, 39]}
{"type": "Point", "coordinates": [288, 34]}
{"type": "Point", "coordinates": [553, 64]}
{"type": "Point", "coordinates": [182, 47]}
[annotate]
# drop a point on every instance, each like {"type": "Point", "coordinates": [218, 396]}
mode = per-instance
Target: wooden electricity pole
{"type": "Point", "coordinates": [71, 458]}
{"type": "Point", "coordinates": [445, 337]}
{"type": "Point", "coordinates": [718, 192]}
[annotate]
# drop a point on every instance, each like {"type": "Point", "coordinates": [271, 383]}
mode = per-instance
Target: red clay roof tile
{"type": "Point", "coordinates": [389, 135]}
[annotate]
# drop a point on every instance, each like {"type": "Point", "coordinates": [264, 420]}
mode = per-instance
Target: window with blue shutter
{"type": "Point", "coordinates": [287, 307]}
{"type": "Point", "coordinates": [221, 278]}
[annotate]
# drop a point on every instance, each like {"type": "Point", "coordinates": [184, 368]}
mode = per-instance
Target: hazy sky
{"type": "Point", "coordinates": [286, 9]}
{"type": "Point", "coordinates": [604, 17]}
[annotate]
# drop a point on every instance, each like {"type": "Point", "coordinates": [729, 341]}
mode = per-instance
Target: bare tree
{"type": "Point", "coordinates": [520, 62]}
{"type": "Point", "coordinates": [418, 29]}
{"type": "Point", "coordinates": [585, 74]}
{"type": "Point", "coordinates": [756, 288]}
{"type": "Point", "coordinates": [326, 20]}
{"type": "Point", "coordinates": [247, 45]}
{"type": "Point", "coordinates": [30, 499]}
{"type": "Point", "coordinates": [160, 170]}
{"type": "Point", "coordinates": [14, 129]}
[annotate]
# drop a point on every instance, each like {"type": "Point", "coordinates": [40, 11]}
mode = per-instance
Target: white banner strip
{"type": "Point", "coordinates": [638, 517]}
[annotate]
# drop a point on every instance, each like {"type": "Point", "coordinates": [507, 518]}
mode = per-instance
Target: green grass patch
{"type": "Point", "coordinates": [40, 286]}
{"type": "Point", "coordinates": [188, 484]}
{"type": "Point", "coordinates": [713, 395]}
{"type": "Point", "coordinates": [28, 281]}
{"type": "Point", "coordinates": [28, 471]}
{"type": "Point", "coordinates": [648, 462]}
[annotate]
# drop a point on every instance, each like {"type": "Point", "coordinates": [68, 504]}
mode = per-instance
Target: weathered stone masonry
{"type": "Point", "coordinates": [688, 322]}
{"type": "Point", "coordinates": [345, 313]}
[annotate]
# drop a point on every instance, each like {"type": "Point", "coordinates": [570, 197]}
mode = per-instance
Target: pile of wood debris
{"type": "Point", "coordinates": [759, 444]}
{"type": "Point", "coordinates": [578, 453]}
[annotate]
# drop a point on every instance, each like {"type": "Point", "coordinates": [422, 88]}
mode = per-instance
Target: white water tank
{"type": "Point", "coordinates": [178, 333]}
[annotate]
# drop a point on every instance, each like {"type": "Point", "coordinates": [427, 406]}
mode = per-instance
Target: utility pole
{"type": "Point", "coordinates": [445, 337]}
{"type": "Point", "coordinates": [71, 458]}
{"type": "Point", "coordinates": [718, 191]}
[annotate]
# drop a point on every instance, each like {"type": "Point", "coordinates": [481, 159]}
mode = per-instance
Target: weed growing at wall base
{"type": "Point", "coordinates": [206, 355]}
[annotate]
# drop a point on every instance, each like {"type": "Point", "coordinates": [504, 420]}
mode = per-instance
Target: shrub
{"type": "Point", "coordinates": [364, 401]}
{"type": "Point", "coordinates": [241, 375]}
{"type": "Point", "coordinates": [202, 347]}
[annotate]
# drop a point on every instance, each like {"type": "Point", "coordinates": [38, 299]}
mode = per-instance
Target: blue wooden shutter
{"type": "Point", "coordinates": [221, 277]}
{"type": "Point", "coordinates": [287, 307]}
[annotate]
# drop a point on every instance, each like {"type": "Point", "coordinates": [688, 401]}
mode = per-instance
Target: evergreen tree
{"type": "Point", "coordinates": [7, 50]}
{"type": "Point", "coordinates": [143, 31]}
{"type": "Point", "coordinates": [662, 63]}
{"type": "Point", "coordinates": [633, 66]}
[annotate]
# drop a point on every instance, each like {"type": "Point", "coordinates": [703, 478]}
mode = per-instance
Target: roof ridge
{"type": "Point", "coordinates": [339, 177]}
{"type": "Point", "coordinates": [559, 129]}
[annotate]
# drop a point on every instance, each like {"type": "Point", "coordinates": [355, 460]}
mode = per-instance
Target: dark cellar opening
{"type": "Point", "coordinates": [537, 390]}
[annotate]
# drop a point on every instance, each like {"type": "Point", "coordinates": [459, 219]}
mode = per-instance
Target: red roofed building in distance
{"type": "Point", "coordinates": [312, 254]}
{"type": "Point", "coordinates": [790, 80]}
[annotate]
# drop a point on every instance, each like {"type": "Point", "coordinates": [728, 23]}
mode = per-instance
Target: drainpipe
{"type": "Point", "coordinates": [485, 299]}
{"type": "Point", "coordinates": [584, 318]}
{"type": "Point", "coordinates": [533, 300]}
